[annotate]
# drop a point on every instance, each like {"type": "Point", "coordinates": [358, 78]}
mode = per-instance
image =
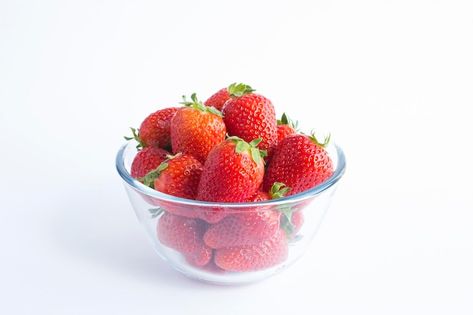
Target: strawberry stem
{"type": "Point", "coordinates": [239, 89]}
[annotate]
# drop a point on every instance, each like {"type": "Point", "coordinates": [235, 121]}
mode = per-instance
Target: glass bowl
{"type": "Point", "coordinates": [259, 256]}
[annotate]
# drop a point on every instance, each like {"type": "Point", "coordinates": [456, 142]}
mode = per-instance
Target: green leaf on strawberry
{"type": "Point", "coordinates": [149, 178]}
{"type": "Point", "coordinates": [285, 120]}
{"type": "Point", "coordinates": [287, 225]}
{"type": "Point", "coordinates": [278, 190]}
{"type": "Point", "coordinates": [323, 144]}
{"type": "Point", "coordinates": [214, 111]}
{"type": "Point", "coordinates": [255, 142]}
{"type": "Point", "coordinates": [135, 137]}
{"type": "Point", "coordinates": [256, 155]}
{"type": "Point", "coordinates": [243, 146]}
{"type": "Point", "coordinates": [196, 104]}
{"type": "Point", "coordinates": [239, 89]}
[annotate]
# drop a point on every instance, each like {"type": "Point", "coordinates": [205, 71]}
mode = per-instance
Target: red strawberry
{"type": "Point", "coordinates": [218, 99]}
{"type": "Point", "coordinates": [179, 176]}
{"type": "Point", "coordinates": [185, 235]}
{"type": "Point", "coordinates": [286, 127]}
{"type": "Point", "coordinates": [243, 229]}
{"type": "Point", "coordinates": [196, 129]}
{"type": "Point", "coordinates": [155, 129]}
{"type": "Point", "coordinates": [250, 116]}
{"type": "Point", "coordinates": [147, 160]}
{"type": "Point", "coordinates": [300, 162]}
{"type": "Point", "coordinates": [233, 172]}
{"type": "Point", "coordinates": [250, 227]}
{"type": "Point", "coordinates": [253, 257]}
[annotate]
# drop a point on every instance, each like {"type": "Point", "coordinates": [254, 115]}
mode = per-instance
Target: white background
{"type": "Point", "coordinates": [392, 80]}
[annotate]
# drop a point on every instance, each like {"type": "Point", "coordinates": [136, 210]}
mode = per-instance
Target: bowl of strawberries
{"type": "Point", "coordinates": [227, 193]}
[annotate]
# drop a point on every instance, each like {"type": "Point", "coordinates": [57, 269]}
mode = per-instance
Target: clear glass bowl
{"type": "Point", "coordinates": [306, 209]}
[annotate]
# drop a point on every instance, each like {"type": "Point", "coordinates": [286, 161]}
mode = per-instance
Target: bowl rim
{"type": "Point", "coordinates": [310, 193]}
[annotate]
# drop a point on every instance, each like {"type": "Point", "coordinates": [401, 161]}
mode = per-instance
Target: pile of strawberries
{"type": "Point", "coordinates": [230, 148]}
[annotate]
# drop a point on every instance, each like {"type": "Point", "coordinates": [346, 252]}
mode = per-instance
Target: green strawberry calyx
{"type": "Point", "coordinates": [149, 178]}
{"type": "Point", "coordinates": [323, 144]}
{"type": "Point", "coordinates": [278, 190]}
{"type": "Point", "coordinates": [287, 225]}
{"type": "Point", "coordinates": [285, 120]}
{"type": "Point", "coordinates": [286, 219]}
{"type": "Point", "coordinates": [241, 146]}
{"type": "Point", "coordinates": [239, 89]}
{"type": "Point", "coordinates": [136, 137]}
{"type": "Point", "coordinates": [196, 104]}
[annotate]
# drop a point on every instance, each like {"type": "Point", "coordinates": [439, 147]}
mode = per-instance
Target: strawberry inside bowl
{"type": "Point", "coordinates": [231, 242]}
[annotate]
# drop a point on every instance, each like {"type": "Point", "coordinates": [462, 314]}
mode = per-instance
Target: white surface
{"type": "Point", "coordinates": [391, 79]}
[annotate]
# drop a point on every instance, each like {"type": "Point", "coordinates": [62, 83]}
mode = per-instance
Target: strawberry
{"type": "Point", "coordinates": [218, 99]}
{"type": "Point", "coordinates": [184, 235]}
{"type": "Point", "coordinates": [300, 162]}
{"type": "Point", "coordinates": [179, 176]}
{"type": "Point", "coordinates": [250, 227]}
{"type": "Point", "coordinates": [286, 127]}
{"type": "Point", "coordinates": [266, 254]}
{"type": "Point", "coordinates": [233, 172]}
{"type": "Point", "coordinates": [196, 129]}
{"type": "Point", "coordinates": [250, 116]}
{"type": "Point", "coordinates": [155, 129]}
{"type": "Point", "coordinates": [147, 160]}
